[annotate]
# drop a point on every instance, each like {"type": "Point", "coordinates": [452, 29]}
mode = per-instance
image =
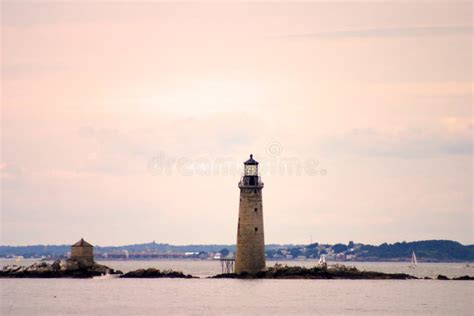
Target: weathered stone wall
{"type": "Point", "coordinates": [250, 254]}
{"type": "Point", "coordinates": [82, 253]}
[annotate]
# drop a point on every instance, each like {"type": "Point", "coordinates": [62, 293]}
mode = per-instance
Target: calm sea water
{"type": "Point", "coordinates": [241, 297]}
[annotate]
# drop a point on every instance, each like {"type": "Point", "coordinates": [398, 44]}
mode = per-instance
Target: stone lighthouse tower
{"type": "Point", "coordinates": [250, 254]}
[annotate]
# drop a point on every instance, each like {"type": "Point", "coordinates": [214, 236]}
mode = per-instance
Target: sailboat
{"type": "Point", "coordinates": [322, 262]}
{"type": "Point", "coordinates": [413, 260]}
{"type": "Point", "coordinates": [322, 259]}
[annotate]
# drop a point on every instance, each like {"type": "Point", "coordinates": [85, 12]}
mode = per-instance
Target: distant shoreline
{"type": "Point", "coordinates": [426, 251]}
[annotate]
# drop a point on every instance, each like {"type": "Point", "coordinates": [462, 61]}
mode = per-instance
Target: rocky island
{"type": "Point", "coordinates": [317, 272]}
{"type": "Point", "coordinates": [58, 269]}
{"type": "Point", "coordinates": [327, 272]}
{"type": "Point", "coordinates": [81, 264]}
{"type": "Point", "coordinates": [77, 269]}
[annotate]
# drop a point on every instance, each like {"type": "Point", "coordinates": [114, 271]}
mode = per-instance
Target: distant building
{"type": "Point", "coordinates": [82, 251]}
{"type": "Point", "coordinates": [350, 257]}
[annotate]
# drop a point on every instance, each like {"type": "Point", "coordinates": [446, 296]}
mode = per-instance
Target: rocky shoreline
{"type": "Point", "coordinates": [156, 273]}
{"type": "Point", "coordinates": [74, 269]}
{"type": "Point", "coordinates": [78, 269]}
{"type": "Point", "coordinates": [58, 269]}
{"type": "Point", "coordinates": [336, 272]}
{"type": "Point", "coordinates": [317, 272]}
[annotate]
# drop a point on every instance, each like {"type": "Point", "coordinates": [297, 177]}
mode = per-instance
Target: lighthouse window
{"type": "Point", "coordinates": [255, 191]}
{"type": "Point", "coordinates": [256, 209]}
{"type": "Point", "coordinates": [256, 229]}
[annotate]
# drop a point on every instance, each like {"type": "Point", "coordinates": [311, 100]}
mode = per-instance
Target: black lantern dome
{"type": "Point", "coordinates": [251, 161]}
{"type": "Point", "coordinates": [251, 167]}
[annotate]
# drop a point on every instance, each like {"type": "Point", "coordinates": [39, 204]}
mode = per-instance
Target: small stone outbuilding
{"type": "Point", "coordinates": [82, 251]}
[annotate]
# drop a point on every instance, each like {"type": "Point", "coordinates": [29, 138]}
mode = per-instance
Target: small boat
{"type": "Point", "coordinates": [107, 276]}
{"type": "Point", "coordinates": [414, 262]}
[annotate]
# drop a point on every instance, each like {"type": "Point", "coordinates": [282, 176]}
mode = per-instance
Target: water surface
{"type": "Point", "coordinates": [240, 297]}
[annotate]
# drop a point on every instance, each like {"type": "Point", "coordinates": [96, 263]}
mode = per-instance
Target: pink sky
{"type": "Point", "coordinates": [380, 94]}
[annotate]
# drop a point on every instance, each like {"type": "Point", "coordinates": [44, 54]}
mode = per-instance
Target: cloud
{"type": "Point", "coordinates": [386, 32]}
{"type": "Point", "coordinates": [10, 170]}
{"type": "Point", "coordinates": [404, 143]}
{"type": "Point", "coordinates": [29, 70]}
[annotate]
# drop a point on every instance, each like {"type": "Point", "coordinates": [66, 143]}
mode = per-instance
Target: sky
{"type": "Point", "coordinates": [129, 122]}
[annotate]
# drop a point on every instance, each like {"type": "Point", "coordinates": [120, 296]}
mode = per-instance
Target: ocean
{"type": "Point", "coordinates": [241, 297]}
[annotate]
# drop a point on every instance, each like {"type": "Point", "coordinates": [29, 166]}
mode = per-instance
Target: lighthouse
{"type": "Point", "coordinates": [250, 252]}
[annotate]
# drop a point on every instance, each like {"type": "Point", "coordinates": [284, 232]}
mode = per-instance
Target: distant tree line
{"type": "Point", "coordinates": [427, 250]}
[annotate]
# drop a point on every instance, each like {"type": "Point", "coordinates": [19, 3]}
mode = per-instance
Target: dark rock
{"type": "Point", "coordinates": [464, 278]}
{"type": "Point", "coordinates": [70, 265]}
{"type": "Point", "coordinates": [229, 276]}
{"type": "Point", "coordinates": [442, 277]}
{"type": "Point", "coordinates": [427, 278]}
{"type": "Point", "coordinates": [56, 265]}
{"type": "Point", "coordinates": [317, 272]}
{"type": "Point", "coordinates": [58, 269]}
{"type": "Point", "coordinates": [156, 273]}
